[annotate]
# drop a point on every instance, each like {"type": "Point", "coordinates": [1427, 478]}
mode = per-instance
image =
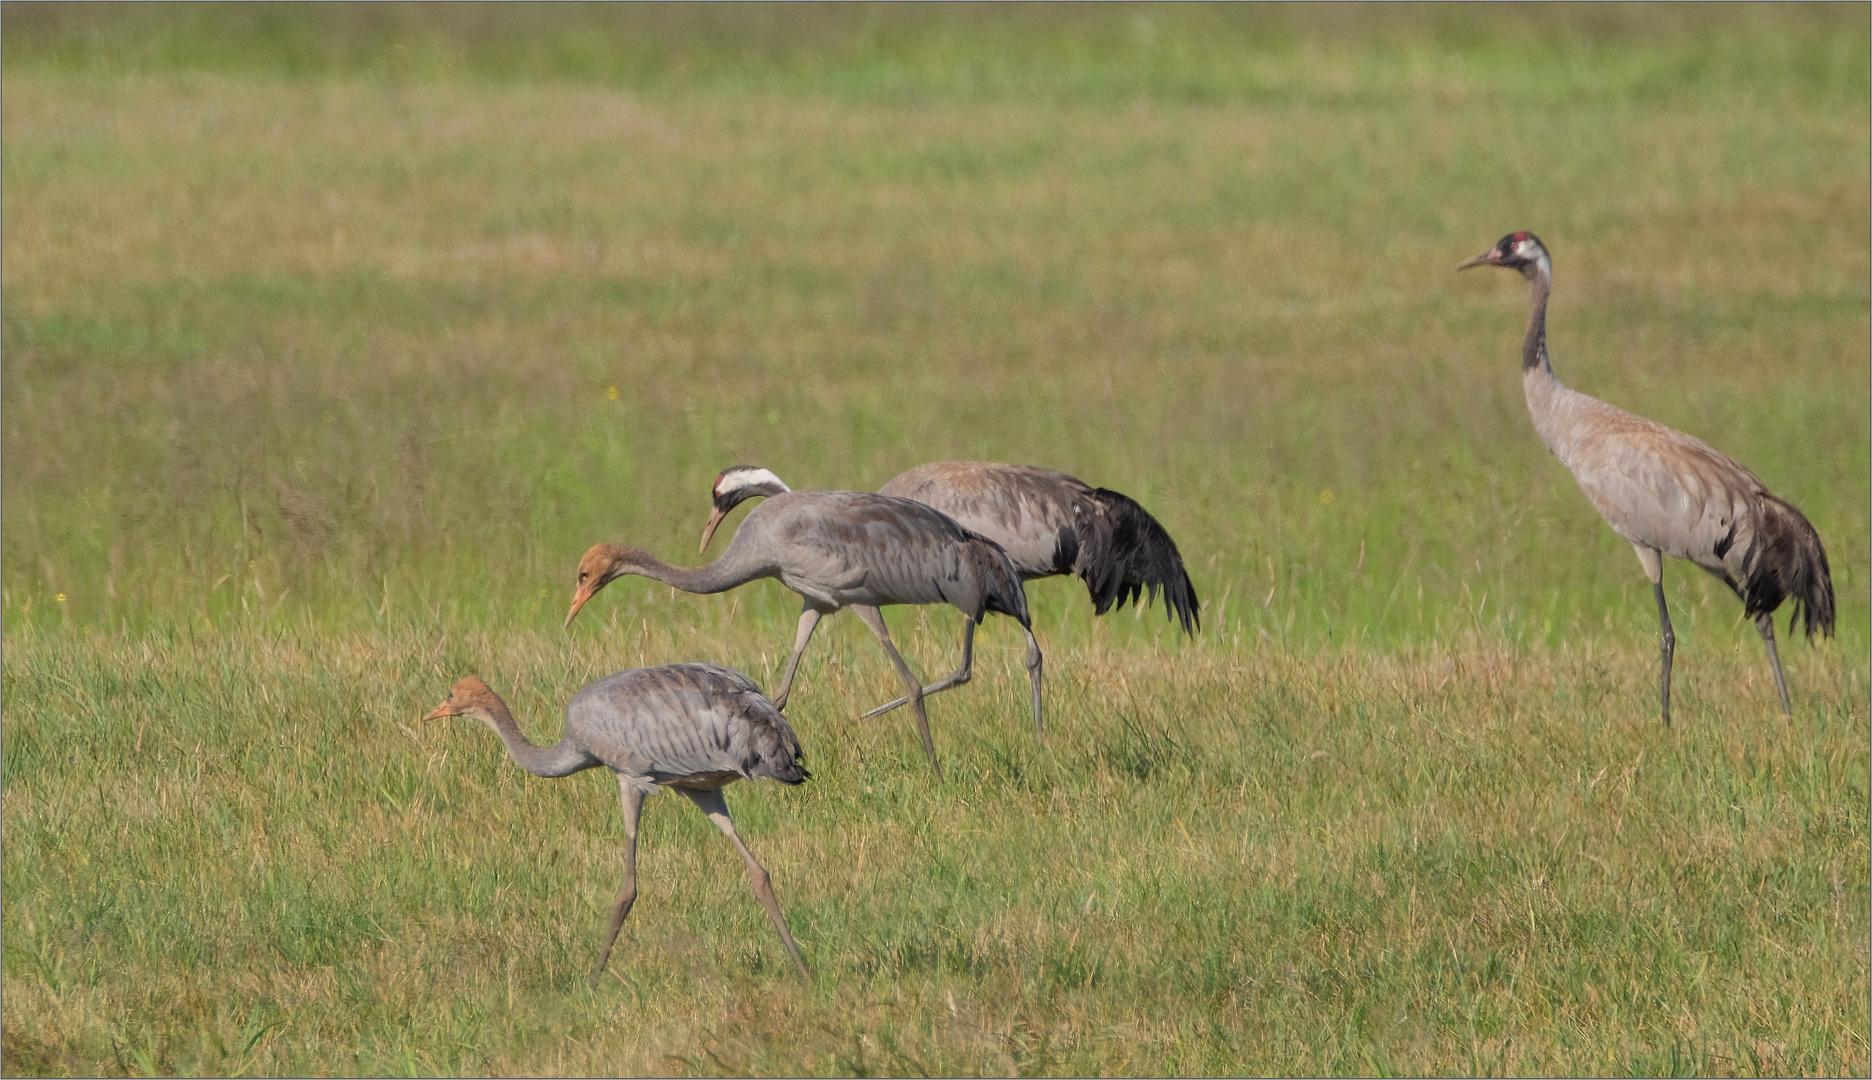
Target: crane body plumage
{"type": "Point", "coordinates": [694, 728]}
{"type": "Point", "coordinates": [851, 547]}
{"type": "Point", "coordinates": [1668, 493]}
{"type": "Point", "coordinates": [1051, 523]}
{"type": "Point", "coordinates": [727, 730]}
{"type": "Point", "coordinates": [1663, 490]}
{"type": "Point", "coordinates": [840, 549]}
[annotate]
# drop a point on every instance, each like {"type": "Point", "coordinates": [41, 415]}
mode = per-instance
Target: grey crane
{"type": "Point", "coordinates": [1667, 493]}
{"type": "Point", "coordinates": [693, 727]}
{"type": "Point", "coordinates": [1049, 523]}
{"type": "Point", "coordinates": [842, 549]}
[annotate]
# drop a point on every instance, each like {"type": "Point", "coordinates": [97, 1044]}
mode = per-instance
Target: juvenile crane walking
{"type": "Point", "coordinates": [693, 727]}
{"type": "Point", "coordinates": [1667, 493]}
{"type": "Point", "coordinates": [842, 549]}
{"type": "Point", "coordinates": [1049, 523]}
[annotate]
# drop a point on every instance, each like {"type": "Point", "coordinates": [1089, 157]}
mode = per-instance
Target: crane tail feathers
{"type": "Point", "coordinates": [778, 758]}
{"type": "Point", "coordinates": [1002, 590]}
{"type": "Point", "coordinates": [1787, 562]}
{"type": "Point", "coordinates": [1134, 557]}
{"type": "Point", "coordinates": [771, 749]}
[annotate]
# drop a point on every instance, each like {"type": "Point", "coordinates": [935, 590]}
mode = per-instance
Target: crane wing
{"type": "Point", "coordinates": [849, 547]}
{"type": "Point", "coordinates": [684, 721]}
{"type": "Point", "coordinates": [1667, 490]}
{"type": "Point", "coordinates": [1030, 512]}
{"type": "Point", "coordinates": [1052, 523]}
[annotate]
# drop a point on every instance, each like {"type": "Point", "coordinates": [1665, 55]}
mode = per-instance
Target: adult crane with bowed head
{"type": "Point", "coordinates": [1049, 523]}
{"type": "Point", "coordinates": [695, 728]}
{"type": "Point", "coordinates": [1667, 493]}
{"type": "Point", "coordinates": [840, 549]}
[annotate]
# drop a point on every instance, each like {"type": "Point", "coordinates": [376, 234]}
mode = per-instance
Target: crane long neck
{"type": "Point", "coordinates": [560, 759]}
{"type": "Point", "coordinates": [1534, 345]}
{"type": "Point", "coordinates": [1554, 408]}
{"type": "Point", "coordinates": [736, 566]}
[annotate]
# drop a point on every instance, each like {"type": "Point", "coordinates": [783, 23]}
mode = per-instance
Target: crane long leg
{"type": "Point", "coordinates": [962, 674]}
{"type": "Point", "coordinates": [875, 620]}
{"type": "Point", "coordinates": [633, 810]}
{"type": "Point", "coordinates": [1034, 664]}
{"type": "Point", "coordinates": [1653, 562]}
{"type": "Point", "coordinates": [808, 621]}
{"type": "Point", "coordinates": [1667, 644]}
{"type": "Point", "coordinates": [710, 802]}
{"type": "Point", "coordinates": [1765, 623]}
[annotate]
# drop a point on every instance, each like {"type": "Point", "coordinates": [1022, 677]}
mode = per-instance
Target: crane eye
{"type": "Point", "coordinates": [582, 576]}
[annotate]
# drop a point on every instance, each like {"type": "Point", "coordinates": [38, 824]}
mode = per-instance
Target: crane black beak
{"type": "Point", "coordinates": [708, 531]}
{"type": "Point", "coordinates": [1491, 257]}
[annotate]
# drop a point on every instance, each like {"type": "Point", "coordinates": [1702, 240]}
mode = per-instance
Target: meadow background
{"type": "Point", "coordinates": [333, 335]}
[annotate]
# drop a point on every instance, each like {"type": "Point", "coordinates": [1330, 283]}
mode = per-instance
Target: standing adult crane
{"type": "Point", "coordinates": [1667, 493]}
{"type": "Point", "coordinates": [1049, 523]}
{"type": "Point", "coordinates": [693, 727]}
{"type": "Point", "coordinates": [842, 549]}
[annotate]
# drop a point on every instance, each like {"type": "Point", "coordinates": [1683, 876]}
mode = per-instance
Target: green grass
{"type": "Point", "coordinates": [312, 321]}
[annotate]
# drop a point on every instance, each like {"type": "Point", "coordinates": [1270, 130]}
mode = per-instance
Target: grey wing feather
{"type": "Point", "coordinates": [856, 547]}
{"type": "Point", "coordinates": [1663, 489]}
{"type": "Point", "coordinates": [1052, 523]}
{"type": "Point", "coordinates": [684, 721]}
{"type": "Point", "coordinates": [1030, 512]}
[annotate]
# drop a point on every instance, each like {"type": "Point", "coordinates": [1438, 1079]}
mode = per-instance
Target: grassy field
{"type": "Point", "coordinates": [332, 336]}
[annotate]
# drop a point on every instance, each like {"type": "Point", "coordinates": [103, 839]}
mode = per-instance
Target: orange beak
{"type": "Point", "coordinates": [440, 711]}
{"type": "Point", "coordinates": [708, 531]}
{"type": "Point", "coordinates": [1491, 257]}
{"type": "Point", "coordinates": [579, 596]}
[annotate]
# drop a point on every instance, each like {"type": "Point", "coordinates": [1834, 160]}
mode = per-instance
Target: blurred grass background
{"type": "Point", "coordinates": [284, 314]}
{"type": "Point", "coordinates": [342, 330]}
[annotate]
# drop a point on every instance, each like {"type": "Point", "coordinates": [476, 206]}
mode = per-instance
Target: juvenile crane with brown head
{"type": "Point", "coordinates": [695, 728]}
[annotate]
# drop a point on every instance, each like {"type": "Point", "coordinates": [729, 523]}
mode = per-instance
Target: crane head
{"type": "Point", "coordinates": [735, 485]}
{"type": "Point", "coordinates": [601, 565]}
{"type": "Point", "coordinates": [1521, 251]}
{"type": "Point", "coordinates": [467, 693]}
